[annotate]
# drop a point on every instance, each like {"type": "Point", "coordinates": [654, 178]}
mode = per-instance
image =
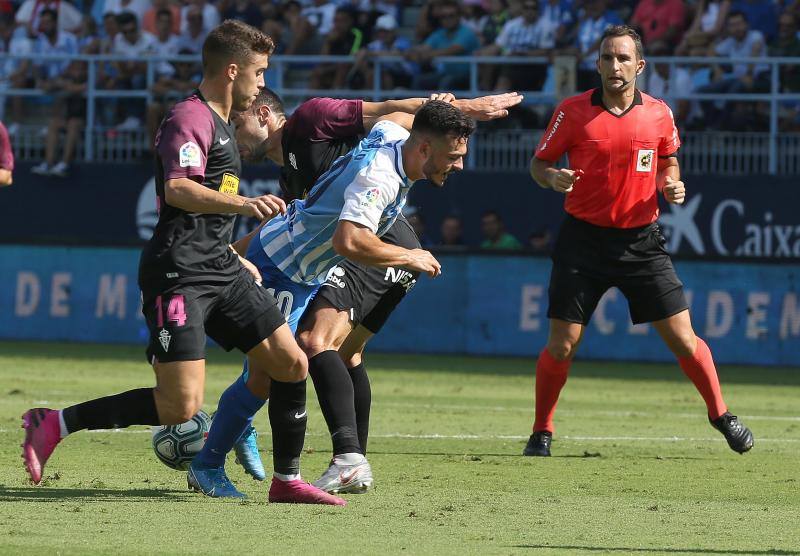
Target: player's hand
{"type": "Point", "coordinates": [564, 179]}
{"type": "Point", "coordinates": [490, 107]}
{"type": "Point", "coordinates": [674, 191]}
{"type": "Point", "coordinates": [263, 207]}
{"type": "Point", "coordinates": [444, 97]}
{"type": "Point", "coordinates": [251, 268]}
{"type": "Point", "coordinates": [423, 261]}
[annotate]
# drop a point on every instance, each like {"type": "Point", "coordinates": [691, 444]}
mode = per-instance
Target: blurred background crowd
{"type": "Point", "coordinates": [418, 31]}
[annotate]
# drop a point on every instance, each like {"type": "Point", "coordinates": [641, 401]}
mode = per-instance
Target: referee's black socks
{"type": "Point", "coordinates": [335, 393]}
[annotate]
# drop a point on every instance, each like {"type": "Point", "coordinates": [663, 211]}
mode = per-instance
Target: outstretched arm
{"type": "Point", "coordinates": [482, 108]}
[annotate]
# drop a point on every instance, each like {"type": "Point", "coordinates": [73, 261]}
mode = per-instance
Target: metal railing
{"type": "Point", "coordinates": [770, 152]}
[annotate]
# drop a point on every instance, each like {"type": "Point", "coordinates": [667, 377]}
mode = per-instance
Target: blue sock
{"type": "Point", "coordinates": [235, 412]}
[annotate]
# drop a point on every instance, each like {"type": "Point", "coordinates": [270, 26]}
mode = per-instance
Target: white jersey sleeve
{"type": "Point", "coordinates": [373, 189]}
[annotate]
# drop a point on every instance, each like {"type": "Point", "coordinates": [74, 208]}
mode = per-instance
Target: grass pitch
{"type": "Point", "coordinates": [636, 467]}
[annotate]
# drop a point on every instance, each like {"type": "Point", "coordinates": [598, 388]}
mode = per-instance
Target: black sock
{"type": "Point", "coordinates": [335, 393]}
{"type": "Point", "coordinates": [287, 416]}
{"type": "Point", "coordinates": [362, 396]}
{"type": "Point", "coordinates": [134, 407]}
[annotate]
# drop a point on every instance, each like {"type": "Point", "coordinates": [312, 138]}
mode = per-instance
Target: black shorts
{"type": "Point", "coordinates": [370, 293]}
{"type": "Point", "coordinates": [588, 260]}
{"type": "Point", "coordinates": [239, 314]}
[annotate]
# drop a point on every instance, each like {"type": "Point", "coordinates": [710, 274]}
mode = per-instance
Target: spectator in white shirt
{"type": "Point", "coordinates": [742, 42]}
{"type": "Point", "coordinates": [210, 15]}
{"type": "Point", "coordinates": [195, 34]}
{"type": "Point", "coordinates": [15, 73]}
{"type": "Point", "coordinates": [136, 7]}
{"type": "Point", "coordinates": [522, 36]}
{"type": "Point", "coordinates": [131, 74]}
{"type": "Point", "coordinates": [69, 17]}
{"type": "Point", "coordinates": [52, 41]}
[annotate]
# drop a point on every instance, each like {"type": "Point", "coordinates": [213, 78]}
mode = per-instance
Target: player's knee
{"type": "Point", "coordinates": [291, 366]}
{"type": "Point", "coordinates": [562, 348]}
{"type": "Point", "coordinates": [683, 343]}
{"type": "Point", "coordinates": [297, 367]}
{"type": "Point", "coordinates": [179, 410]}
{"type": "Point", "coordinates": [312, 342]}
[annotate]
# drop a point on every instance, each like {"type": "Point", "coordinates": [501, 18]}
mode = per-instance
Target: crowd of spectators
{"type": "Point", "coordinates": [724, 29]}
{"type": "Point", "coordinates": [493, 233]}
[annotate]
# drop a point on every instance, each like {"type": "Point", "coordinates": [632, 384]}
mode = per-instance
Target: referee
{"type": "Point", "coordinates": [622, 146]}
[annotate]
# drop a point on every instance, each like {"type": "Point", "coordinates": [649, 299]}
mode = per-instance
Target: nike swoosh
{"type": "Point", "coordinates": [225, 142]}
{"type": "Point", "coordinates": [347, 479]}
{"type": "Point", "coordinates": [300, 415]}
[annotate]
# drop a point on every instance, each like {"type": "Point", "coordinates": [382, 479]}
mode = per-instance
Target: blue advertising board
{"type": "Point", "coordinates": [494, 305]}
{"type": "Point", "coordinates": [742, 218]}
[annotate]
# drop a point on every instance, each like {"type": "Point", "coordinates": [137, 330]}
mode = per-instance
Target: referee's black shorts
{"type": "Point", "coordinates": [589, 259]}
{"type": "Point", "coordinates": [370, 294]}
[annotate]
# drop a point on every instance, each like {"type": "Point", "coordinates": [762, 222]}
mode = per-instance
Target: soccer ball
{"type": "Point", "coordinates": [176, 445]}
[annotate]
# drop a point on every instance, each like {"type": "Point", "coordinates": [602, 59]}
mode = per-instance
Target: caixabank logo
{"type": "Point", "coordinates": [731, 227]}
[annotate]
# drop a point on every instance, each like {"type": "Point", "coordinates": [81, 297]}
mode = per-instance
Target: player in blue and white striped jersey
{"type": "Point", "coordinates": [343, 216]}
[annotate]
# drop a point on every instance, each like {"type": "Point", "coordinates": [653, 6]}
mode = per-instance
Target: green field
{"type": "Point", "coordinates": [636, 467]}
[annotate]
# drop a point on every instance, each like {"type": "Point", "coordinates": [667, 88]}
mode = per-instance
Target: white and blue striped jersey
{"type": "Point", "coordinates": [367, 186]}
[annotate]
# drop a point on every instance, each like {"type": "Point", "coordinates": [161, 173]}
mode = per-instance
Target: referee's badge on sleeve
{"type": "Point", "coordinates": [644, 160]}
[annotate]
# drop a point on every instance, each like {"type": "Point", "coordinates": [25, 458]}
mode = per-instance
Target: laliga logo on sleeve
{"type": "Point", "coordinates": [370, 197]}
{"type": "Point", "coordinates": [189, 155]}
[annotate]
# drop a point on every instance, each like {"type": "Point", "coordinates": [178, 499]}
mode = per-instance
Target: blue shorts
{"type": "Point", "coordinates": [292, 298]}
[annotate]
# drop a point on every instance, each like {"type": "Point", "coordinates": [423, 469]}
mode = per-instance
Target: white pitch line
{"type": "Point", "coordinates": [587, 412]}
{"type": "Point", "coordinates": [503, 409]}
{"type": "Point", "coordinates": [435, 436]}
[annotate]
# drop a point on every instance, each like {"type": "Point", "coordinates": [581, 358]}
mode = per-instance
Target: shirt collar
{"type": "Point", "coordinates": [597, 100]}
{"type": "Point", "coordinates": [398, 159]}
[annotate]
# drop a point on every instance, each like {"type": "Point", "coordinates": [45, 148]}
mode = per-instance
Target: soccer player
{"type": "Point", "coordinates": [6, 158]}
{"type": "Point", "coordinates": [193, 283]}
{"type": "Point", "coordinates": [622, 146]}
{"type": "Point", "coordinates": [357, 299]}
{"type": "Point", "coordinates": [344, 215]}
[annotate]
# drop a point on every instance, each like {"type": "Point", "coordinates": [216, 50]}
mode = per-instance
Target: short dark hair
{"type": "Point", "coordinates": [270, 98]}
{"type": "Point", "coordinates": [443, 119]}
{"type": "Point", "coordinates": [737, 13]}
{"type": "Point", "coordinates": [492, 213]}
{"type": "Point", "coordinates": [126, 18]}
{"type": "Point", "coordinates": [49, 11]}
{"type": "Point", "coordinates": [624, 31]}
{"type": "Point", "coordinates": [164, 11]}
{"type": "Point", "coordinates": [455, 4]}
{"type": "Point", "coordinates": [234, 41]}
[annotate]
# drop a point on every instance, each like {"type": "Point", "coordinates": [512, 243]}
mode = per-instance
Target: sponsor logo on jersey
{"type": "Point", "coordinates": [229, 184]}
{"type": "Point", "coordinates": [644, 160]}
{"type": "Point", "coordinates": [190, 155]}
{"type": "Point", "coordinates": [559, 119]}
{"type": "Point", "coordinates": [370, 197]}
{"type": "Point", "coordinates": [164, 338]}
{"type": "Point", "coordinates": [293, 160]}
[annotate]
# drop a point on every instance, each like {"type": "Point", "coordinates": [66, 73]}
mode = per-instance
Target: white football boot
{"type": "Point", "coordinates": [347, 473]}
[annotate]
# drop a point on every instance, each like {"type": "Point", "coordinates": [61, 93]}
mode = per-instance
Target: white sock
{"type": "Point", "coordinates": [62, 425]}
{"type": "Point", "coordinates": [351, 458]}
{"type": "Point", "coordinates": [287, 478]}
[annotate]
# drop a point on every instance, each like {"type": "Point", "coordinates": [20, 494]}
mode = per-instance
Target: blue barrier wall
{"type": "Point", "coordinates": [749, 313]}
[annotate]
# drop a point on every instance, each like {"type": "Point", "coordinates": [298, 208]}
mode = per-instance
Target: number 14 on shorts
{"type": "Point", "coordinates": [176, 310]}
